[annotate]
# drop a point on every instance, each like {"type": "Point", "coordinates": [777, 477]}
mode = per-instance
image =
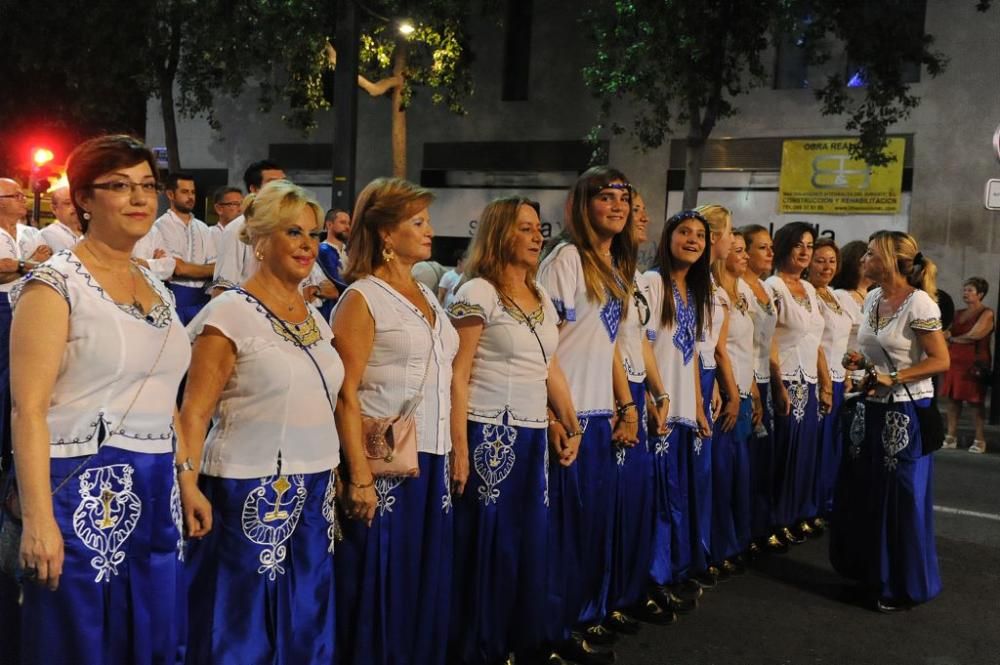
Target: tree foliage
{"type": "Point", "coordinates": [683, 62]}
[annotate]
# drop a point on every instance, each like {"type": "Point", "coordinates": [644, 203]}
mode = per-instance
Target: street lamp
{"type": "Point", "coordinates": [406, 27]}
{"type": "Point", "coordinates": [40, 172]}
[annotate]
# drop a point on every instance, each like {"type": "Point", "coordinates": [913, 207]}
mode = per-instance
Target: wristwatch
{"type": "Point", "coordinates": [894, 377]}
{"type": "Point", "coordinates": [21, 266]}
{"type": "Point", "coordinates": [186, 465]}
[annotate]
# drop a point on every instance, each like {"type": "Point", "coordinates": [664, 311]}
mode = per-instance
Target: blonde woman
{"type": "Point", "coordinates": [504, 374]}
{"type": "Point", "coordinates": [398, 345]}
{"type": "Point", "coordinates": [264, 363]}
{"type": "Point", "coordinates": [902, 347]}
{"type": "Point", "coordinates": [587, 275]}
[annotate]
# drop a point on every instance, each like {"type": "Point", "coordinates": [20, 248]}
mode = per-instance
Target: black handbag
{"type": "Point", "coordinates": [928, 417]}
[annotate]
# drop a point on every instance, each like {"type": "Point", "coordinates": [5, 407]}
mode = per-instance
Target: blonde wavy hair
{"type": "Point", "coordinates": [490, 251]}
{"type": "Point", "coordinates": [382, 205]}
{"type": "Point", "coordinates": [278, 204]}
{"type": "Point", "coordinates": [901, 256]}
{"type": "Point", "coordinates": [720, 220]}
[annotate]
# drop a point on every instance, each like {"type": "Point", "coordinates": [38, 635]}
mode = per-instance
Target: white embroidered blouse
{"type": "Point", "coordinates": [405, 348]}
{"type": "Point", "coordinates": [799, 331]}
{"type": "Point", "coordinates": [588, 335]}
{"type": "Point", "coordinates": [740, 338]}
{"type": "Point", "coordinates": [110, 351]}
{"type": "Point", "coordinates": [765, 318]}
{"type": "Point", "coordinates": [837, 325]}
{"type": "Point", "coordinates": [634, 328]}
{"type": "Point", "coordinates": [273, 413]}
{"type": "Point", "coordinates": [510, 368]}
{"type": "Point", "coordinates": [58, 237]}
{"type": "Point", "coordinates": [675, 348]}
{"type": "Point", "coordinates": [713, 327]}
{"type": "Point", "coordinates": [897, 335]}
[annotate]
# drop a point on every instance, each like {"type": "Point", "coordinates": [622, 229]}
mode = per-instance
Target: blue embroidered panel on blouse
{"type": "Point", "coordinates": [611, 316]}
{"type": "Point", "coordinates": [687, 324]}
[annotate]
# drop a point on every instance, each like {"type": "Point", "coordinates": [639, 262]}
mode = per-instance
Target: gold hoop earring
{"type": "Point", "coordinates": [259, 255]}
{"type": "Point", "coordinates": [388, 256]}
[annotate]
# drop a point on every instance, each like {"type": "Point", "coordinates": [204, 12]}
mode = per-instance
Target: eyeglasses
{"type": "Point", "coordinates": [125, 187]}
{"type": "Point", "coordinates": [16, 195]}
{"type": "Point", "coordinates": [229, 204]}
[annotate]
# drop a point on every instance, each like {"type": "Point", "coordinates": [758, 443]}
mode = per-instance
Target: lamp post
{"type": "Point", "coordinates": [39, 181]}
{"type": "Point", "coordinates": [345, 106]}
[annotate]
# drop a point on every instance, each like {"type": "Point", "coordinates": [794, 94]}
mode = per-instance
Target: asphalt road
{"type": "Point", "coordinates": [794, 609]}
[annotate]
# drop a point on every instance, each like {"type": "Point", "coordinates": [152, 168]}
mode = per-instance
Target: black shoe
{"type": "Point", "coordinates": [622, 623]}
{"type": "Point", "coordinates": [581, 652]}
{"type": "Point", "coordinates": [753, 551]}
{"type": "Point", "coordinates": [792, 538]}
{"type": "Point", "coordinates": [598, 635]}
{"type": "Point", "coordinates": [721, 574]}
{"type": "Point", "coordinates": [688, 589]}
{"type": "Point", "coordinates": [668, 600]}
{"type": "Point", "coordinates": [539, 657]}
{"type": "Point", "coordinates": [709, 578]}
{"type": "Point", "coordinates": [819, 525]}
{"type": "Point", "coordinates": [886, 606]}
{"type": "Point", "coordinates": [732, 569]}
{"type": "Point", "coordinates": [651, 612]}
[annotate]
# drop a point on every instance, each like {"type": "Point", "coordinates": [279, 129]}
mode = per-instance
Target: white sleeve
{"type": "Point", "coordinates": [162, 269]}
{"type": "Point", "coordinates": [559, 274]}
{"type": "Point", "coordinates": [229, 256]}
{"type": "Point", "coordinates": [477, 297]}
{"type": "Point", "coordinates": [925, 315]}
{"type": "Point", "coordinates": [654, 287]}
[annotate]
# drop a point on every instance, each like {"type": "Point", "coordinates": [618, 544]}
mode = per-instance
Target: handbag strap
{"type": "Point", "coordinates": [888, 360]}
{"type": "Point", "coordinates": [527, 322]}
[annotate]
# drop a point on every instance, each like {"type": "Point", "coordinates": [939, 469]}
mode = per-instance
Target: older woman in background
{"type": "Point", "coordinates": [394, 570]}
{"type": "Point", "coordinates": [97, 355]}
{"type": "Point", "coordinates": [971, 362]}
{"type": "Point", "coordinates": [263, 362]}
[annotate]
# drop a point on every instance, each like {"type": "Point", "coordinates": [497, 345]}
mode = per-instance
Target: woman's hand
{"type": "Point", "coordinates": [360, 502]}
{"type": "Point", "coordinates": [825, 398]}
{"type": "Point", "coordinates": [657, 415]}
{"type": "Point", "coordinates": [716, 402]}
{"type": "Point", "coordinates": [757, 410]}
{"type": "Point", "coordinates": [42, 551]}
{"type": "Point", "coordinates": [704, 431]}
{"type": "Point", "coordinates": [459, 470]}
{"type": "Point", "coordinates": [197, 508]}
{"type": "Point", "coordinates": [563, 447]}
{"type": "Point", "coordinates": [782, 405]}
{"type": "Point", "coordinates": [626, 428]}
{"type": "Point", "coordinates": [729, 415]}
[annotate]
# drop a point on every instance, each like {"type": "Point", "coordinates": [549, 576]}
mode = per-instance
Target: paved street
{"type": "Point", "coordinates": [793, 609]}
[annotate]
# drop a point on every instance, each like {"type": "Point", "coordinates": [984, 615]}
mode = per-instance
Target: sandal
{"type": "Point", "coordinates": [950, 442]}
{"type": "Point", "coordinates": [977, 448]}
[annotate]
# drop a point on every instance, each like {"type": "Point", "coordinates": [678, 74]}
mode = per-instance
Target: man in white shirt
{"type": "Point", "coordinates": [20, 249]}
{"type": "Point", "coordinates": [236, 261]}
{"type": "Point", "coordinates": [227, 202]}
{"type": "Point", "coordinates": [65, 232]}
{"type": "Point", "coordinates": [449, 281]}
{"type": "Point", "coordinates": [191, 244]}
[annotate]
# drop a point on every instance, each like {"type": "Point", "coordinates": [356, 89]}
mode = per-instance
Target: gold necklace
{"type": "Point", "coordinates": [131, 271]}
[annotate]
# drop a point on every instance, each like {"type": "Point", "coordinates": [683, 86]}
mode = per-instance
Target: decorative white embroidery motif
{"type": "Point", "coordinates": [662, 445]}
{"type": "Point", "coordinates": [620, 455]}
{"type": "Point", "coordinates": [857, 432]}
{"type": "Point", "coordinates": [107, 515]}
{"type": "Point", "coordinates": [798, 393]}
{"type": "Point", "coordinates": [770, 407]}
{"type": "Point", "coordinates": [545, 462]}
{"type": "Point", "coordinates": [383, 492]}
{"type": "Point", "coordinates": [446, 497]}
{"type": "Point", "coordinates": [583, 424]}
{"type": "Point", "coordinates": [895, 437]}
{"type": "Point", "coordinates": [270, 515]}
{"type": "Point", "coordinates": [177, 513]}
{"type": "Point", "coordinates": [330, 511]}
{"type": "Point", "coordinates": [494, 459]}
{"type": "Point", "coordinates": [697, 445]}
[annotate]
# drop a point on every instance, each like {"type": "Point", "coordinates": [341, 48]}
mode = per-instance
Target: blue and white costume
{"type": "Point", "coordinates": [394, 577]}
{"type": "Point", "coordinates": [501, 521]}
{"type": "Point", "coordinates": [798, 335]}
{"type": "Point", "coordinates": [762, 458]}
{"type": "Point", "coordinates": [675, 349]}
{"type": "Point", "coordinates": [632, 529]}
{"type": "Point", "coordinates": [579, 495]}
{"type": "Point", "coordinates": [58, 237]}
{"type": "Point", "coordinates": [267, 469]}
{"type": "Point", "coordinates": [115, 493]}
{"type": "Point", "coordinates": [730, 450]}
{"type": "Point", "coordinates": [902, 563]}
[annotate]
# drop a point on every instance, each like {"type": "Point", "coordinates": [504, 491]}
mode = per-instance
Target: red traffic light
{"type": "Point", "coordinates": [42, 156]}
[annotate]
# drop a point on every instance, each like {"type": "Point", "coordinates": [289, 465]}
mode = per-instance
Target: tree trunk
{"type": "Point", "coordinates": [692, 170]}
{"type": "Point", "coordinates": [169, 123]}
{"type": "Point", "coordinates": [398, 112]}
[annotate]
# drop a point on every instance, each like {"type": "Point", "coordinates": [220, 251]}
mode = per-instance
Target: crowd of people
{"type": "Point", "coordinates": [243, 444]}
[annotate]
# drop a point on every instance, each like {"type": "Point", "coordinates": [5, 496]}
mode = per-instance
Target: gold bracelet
{"type": "Point", "coordinates": [363, 486]}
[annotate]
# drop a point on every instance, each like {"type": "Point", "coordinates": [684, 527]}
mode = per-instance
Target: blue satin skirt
{"type": "Point", "coordinates": [190, 300]}
{"type": "Point", "coordinates": [731, 487]}
{"type": "Point", "coordinates": [580, 529]}
{"type": "Point", "coordinates": [120, 597]}
{"type": "Point", "coordinates": [795, 455]}
{"type": "Point", "coordinates": [671, 556]}
{"type": "Point", "coordinates": [761, 463]}
{"type": "Point", "coordinates": [501, 545]}
{"type": "Point", "coordinates": [828, 454]}
{"type": "Point", "coordinates": [261, 582]}
{"type": "Point", "coordinates": [904, 563]}
{"type": "Point", "coordinates": [394, 578]}
{"type": "Point", "coordinates": [850, 524]}
{"type": "Point", "coordinates": [632, 530]}
{"type": "Point", "coordinates": [700, 483]}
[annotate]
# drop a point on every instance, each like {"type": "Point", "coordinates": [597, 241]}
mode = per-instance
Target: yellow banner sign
{"type": "Point", "coordinates": [819, 176]}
